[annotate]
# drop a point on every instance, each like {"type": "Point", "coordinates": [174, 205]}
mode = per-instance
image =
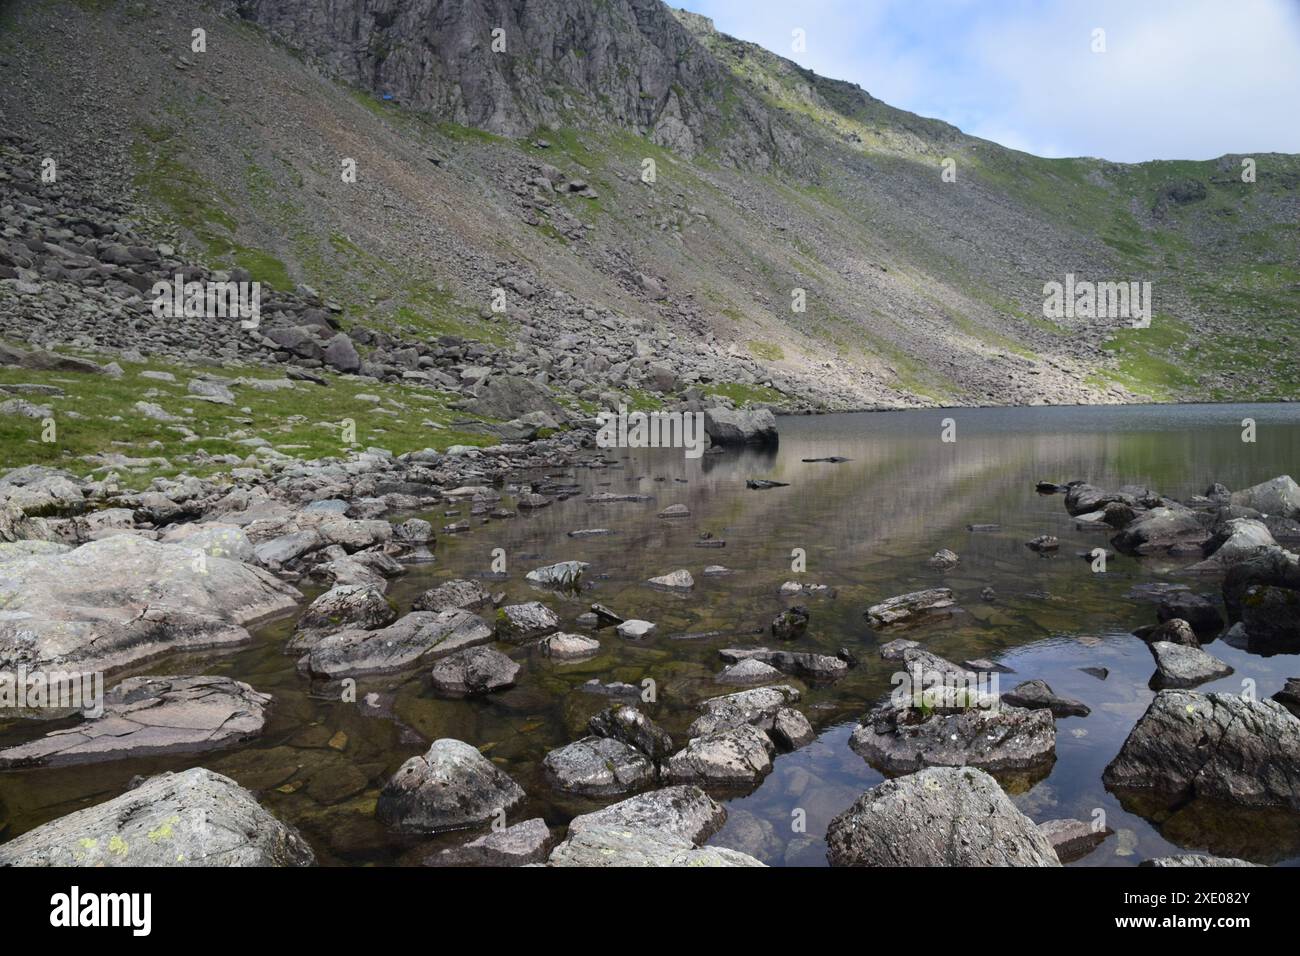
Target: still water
{"type": "Point", "coordinates": [867, 526]}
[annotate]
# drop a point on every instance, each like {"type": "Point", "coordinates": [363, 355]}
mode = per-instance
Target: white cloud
{"type": "Point", "coordinates": [1180, 78]}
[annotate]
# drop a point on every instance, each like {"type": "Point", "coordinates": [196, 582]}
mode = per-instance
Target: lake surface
{"type": "Point", "coordinates": [867, 527]}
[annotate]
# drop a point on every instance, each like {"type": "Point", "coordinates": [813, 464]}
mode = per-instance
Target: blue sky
{"type": "Point", "coordinates": [1179, 79]}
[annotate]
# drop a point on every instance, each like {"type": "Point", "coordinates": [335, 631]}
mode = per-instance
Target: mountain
{"type": "Point", "coordinates": [519, 175]}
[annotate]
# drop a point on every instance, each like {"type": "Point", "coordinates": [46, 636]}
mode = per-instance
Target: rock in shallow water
{"type": "Point", "coordinates": [474, 670]}
{"type": "Point", "coordinates": [1217, 746]}
{"type": "Point", "coordinates": [937, 817]}
{"type": "Point", "coordinates": [524, 623]}
{"type": "Point", "coordinates": [632, 727]}
{"type": "Point", "coordinates": [1180, 666]}
{"type": "Point", "coordinates": [737, 757]}
{"type": "Point", "coordinates": [404, 643]}
{"type": "Point", "coordinates": [125, 599]}
{"type": "Point", "coordinates": [195, 818]}
{"type": "Point", "coordinates": [1036, 694]}
{"type": "Point", "coordinates": [569, 647]}
{"type": "Point", "coordinates": [149, 716]}
{"type": "Point", "coordinates": [685, 812]}
{"type": "Point", "coordinates": [598, 767]}
{"type": "Point", "coordinates": [450, 786]}
{"type": "Point", "coordinates": [909, 608]}
{"type": "Point", "coordinates": [518, 845]}
{"type": "Point", "coordinates": [620, 846]}
{"type": "Point", "coordinates": [462, 594]}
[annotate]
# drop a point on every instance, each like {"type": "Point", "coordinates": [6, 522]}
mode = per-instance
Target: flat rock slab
{"type": "Point", "coordinates": [942, 816]}
{"type": "Point", "coordinates": [620, 846]}
{"type": "Point", "coordinates": [736, 757]}
{"type": "Point", "coordinates": [519, 845]}
{"type": "Point", "coordinates": [125, 599]}
{"type": "Point", "coordinates": [910, 608]}
{"type": "Point", "coordinates": [418, 636]}
{"type": "Point", "coordinates": [686, 812]}
{"type": "Point", "coordinates": [195, 818]}
{"type": "Point", "coordinates": [598, 767]}
{"type": "Point", "coordinates": [147, 716]}
{"type": "Point", "coordinates": [1180, 666]}
{"type": "Point", "coordinates": [900, 739]}
{"type": "Point", "coordinates": [1221, 747]}
{"type": "Point", "coordinates": [448, 787]}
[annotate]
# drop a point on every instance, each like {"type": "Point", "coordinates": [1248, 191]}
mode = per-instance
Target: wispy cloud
{"type": "Point", "coordinates": [1179, 79]}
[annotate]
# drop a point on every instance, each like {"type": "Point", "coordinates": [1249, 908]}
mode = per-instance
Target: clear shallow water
{"type": "Point", "coordinates": [867, 525]}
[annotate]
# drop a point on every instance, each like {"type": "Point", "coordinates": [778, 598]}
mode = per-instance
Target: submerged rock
{"type": "Point", "coordinates": [518, 845]}
{"type": "Point", "coordinates": [448, 787]}
{"type": "Point", "coordinates": [150, 716]}
{"type": "Point", "coordinates": [944, 560]}
{"type": "Point", "coordinates": [194, 818]}
{"type": "Point", "coordinates": [937, 817]}
{"type": "Point", "coordinates": [1217, 746]}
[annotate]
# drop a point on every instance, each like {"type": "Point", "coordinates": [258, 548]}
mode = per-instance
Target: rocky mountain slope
{"type": "Point", "coordinates": [518, 177]}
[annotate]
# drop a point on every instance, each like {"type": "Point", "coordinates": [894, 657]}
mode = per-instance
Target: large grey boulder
{"type": "Point", "coordinates": [194, 818]}
{"type": "Point", "coordinates": [415, 637]}
{"type": "Point", "coordinates": [562, 576]}
{"type": "Point", "coordinates": [148, 716]}
{"type": "Point", "coordinates": [726, 426]}
{"type": "Point", "coordinates": [598, 767]}
{"type": "Point", "coordinates": [943, 816]}
{"type": "Point", "coordinates": [506, 397]}
{"type": "Point", "coordinates": [685, 812]}
{"type": "Point", "coordinates": [125, 599]}
{"type": "Point", "coordinates": [1280, 496]}
{"type": "Point", "coordinates": [1217, 746]}
{"type": "Point", "coordinates": [735, 757]}
{"type": "Point", "coordinates": [450, 786]}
